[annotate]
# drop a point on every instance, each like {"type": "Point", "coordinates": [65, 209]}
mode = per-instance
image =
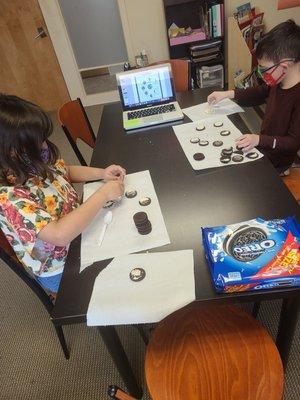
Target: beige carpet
{"type": "Point", "coordinates": [32, 365]}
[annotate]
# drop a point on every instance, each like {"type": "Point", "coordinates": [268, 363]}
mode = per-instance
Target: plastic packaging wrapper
{"type": "Point", "coordinates": [253, 255]}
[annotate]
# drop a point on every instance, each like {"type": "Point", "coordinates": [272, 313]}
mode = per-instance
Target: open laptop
{"type": "Point", "coordinates": [148, 96]}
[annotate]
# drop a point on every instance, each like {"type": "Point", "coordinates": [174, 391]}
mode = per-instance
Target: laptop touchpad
{"type": "Point", "coordinates": [153, 118]}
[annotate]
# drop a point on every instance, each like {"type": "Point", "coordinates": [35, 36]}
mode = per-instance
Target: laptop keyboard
{"type": "Point", "coordinates": [146, 112]}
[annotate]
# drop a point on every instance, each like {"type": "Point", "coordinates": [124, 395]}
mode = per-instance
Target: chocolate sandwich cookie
{"type": "Point", "coordinates": [218, 143]}
{"type": "Point", "coordinates": [137, 274]}
{"type": "Point", "coordinates": [242, 243]}
{"type": "Point", "coordinates": [227, 152]}
{"type": "Point", "coordinates": [140, 217]}
{"type": "Point", "coordinates": [142, 223]}
{"type": "Point", "coordinates": [199, 156]}
{"type": "Point", "coordinates": [145, 201]}
{"type": "Point", "coordinates": [237, 158]}
{"type": "Point", "coordinates": [253, 155]}
{"type": "Point", "coordinates": [203, 142]}
{"type": "Point", "coordinates": [130, 194]}
{"type": "Point", "coordinates": [218, 124]}
{"type": "Point", "coordinates": [225, 159]}
{"type": "Point", "coordinates": [109, 204]}
{"type": "Point", "coordinates": [226, 132]}
{"type": "Point", "coordinates": [240, 152]}
{"type": "Point", "coordinates": [194, 140]}
{"type": "Point", "coordinates": [200, 127]}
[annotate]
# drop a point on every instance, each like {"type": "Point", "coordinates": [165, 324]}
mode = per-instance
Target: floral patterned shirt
{"type": "Point", "coordinates": [25, 210]}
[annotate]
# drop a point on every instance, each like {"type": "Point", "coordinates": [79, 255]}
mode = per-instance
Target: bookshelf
{"type": "Point", "coordinates": [192, 13]}
{"type": "Point", "coordinates": [239, 55]}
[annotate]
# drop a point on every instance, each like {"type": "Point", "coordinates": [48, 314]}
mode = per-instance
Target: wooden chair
{"type": "Point", "coordinates": [181, 70]}
{"type": "Point", "coordinates": [76, 125]}
{"type": "Point", "coordinates": [9, 257]}
{"type": "Point", "coordinates": [292, 182]}
{"type": "Point", "coordinates": [211, 353]}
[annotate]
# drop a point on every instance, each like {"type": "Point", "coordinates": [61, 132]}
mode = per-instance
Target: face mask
{"type": "Point", "coordinates": [45, 155]}
{"type": "Point", "coordinates": [271, 76]}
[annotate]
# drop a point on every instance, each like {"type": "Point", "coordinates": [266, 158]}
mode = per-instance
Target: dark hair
{"type": "Point", "coordinates": [281, 42]}
{"type": "Point", "coordinates": [24, 127]}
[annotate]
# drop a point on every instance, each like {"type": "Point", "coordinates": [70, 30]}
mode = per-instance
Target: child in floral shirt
{"type": "Point", "coordinates": [39, 210]}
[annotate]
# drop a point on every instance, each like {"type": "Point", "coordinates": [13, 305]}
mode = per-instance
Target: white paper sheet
{"type": "Point", "coordinates": [224, 107]}
{"type": "Point", "coordinates": [121, 236]}
{"type": "Point", "coordinates": [212, 154]}
{"type": "Point", "coordinates": [169, 285]}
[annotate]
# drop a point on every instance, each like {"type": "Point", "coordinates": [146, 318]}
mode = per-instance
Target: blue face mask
{"type": "Point", "coordinates": [45, 155]}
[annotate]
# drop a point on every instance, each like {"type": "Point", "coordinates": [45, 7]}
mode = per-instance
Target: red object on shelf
{"type": "Point", "coordinates": [198, 34]}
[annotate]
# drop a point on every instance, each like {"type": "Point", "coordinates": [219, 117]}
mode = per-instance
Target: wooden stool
{"type": "Point", "coordinates": [213, 353]}
{"type": "Point", "coordinates": [292, 181]}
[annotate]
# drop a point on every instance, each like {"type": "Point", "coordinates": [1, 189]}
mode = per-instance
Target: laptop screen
{"type": "Point", "coordinates": [147, 86]}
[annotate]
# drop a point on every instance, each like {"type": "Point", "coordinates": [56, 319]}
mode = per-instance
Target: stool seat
{"type": "Point", "coordinates": [212, 353]}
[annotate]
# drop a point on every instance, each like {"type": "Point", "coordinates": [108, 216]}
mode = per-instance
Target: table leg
{"type": "Point", "coordinates": [287, 325]}
{"type": "Point", "coordinates": [117, 352]}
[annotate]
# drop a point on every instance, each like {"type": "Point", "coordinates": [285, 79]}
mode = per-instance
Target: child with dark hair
{"type": "Point", "coordinates": [278, 55]}
{"type": "Point", "coordinates": [39, 210]}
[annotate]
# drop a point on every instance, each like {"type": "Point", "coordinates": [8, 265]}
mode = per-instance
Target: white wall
{"type": "Point", "coordinates": [144, 28]}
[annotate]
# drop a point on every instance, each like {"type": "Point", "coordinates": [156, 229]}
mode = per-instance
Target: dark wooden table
{"type": "Point", "coordinates": [189, 200]}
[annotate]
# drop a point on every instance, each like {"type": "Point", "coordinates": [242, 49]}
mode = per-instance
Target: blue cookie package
{"type": "Point", "coordinates": [252, 255]}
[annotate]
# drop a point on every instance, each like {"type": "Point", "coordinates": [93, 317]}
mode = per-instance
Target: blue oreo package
{"type": "Point", "coordinates": [253, 255]}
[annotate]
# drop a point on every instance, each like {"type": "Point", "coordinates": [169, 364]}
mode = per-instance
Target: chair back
{"type": "Point", "coordinates": [76, 125]}
{"type": "Point", "coordinates": [8, 255]}
{"type": "Point", "coordinates": [292, 182]}
{"type": "Point", "coordinates": [181, 70]}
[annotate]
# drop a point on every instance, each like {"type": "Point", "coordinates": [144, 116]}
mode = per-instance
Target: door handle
{"type": "Point", "coordinates": [41, 33]}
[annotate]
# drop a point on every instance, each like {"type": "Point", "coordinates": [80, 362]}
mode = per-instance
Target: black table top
{"type": "Point", "coordinates": [189, 200]}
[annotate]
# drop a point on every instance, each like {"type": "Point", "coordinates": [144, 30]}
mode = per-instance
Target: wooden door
{"type": "Point", "coordinates": [28, 65]}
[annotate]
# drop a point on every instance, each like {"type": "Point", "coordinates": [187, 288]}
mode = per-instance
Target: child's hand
{"type": "Point", "coordinates": [113, 173]}
{"type": "Point", "coordinates": [114, 190]}
{"type": "Point", "coordinates": [216, 97]}
{"type": "Point", "coordinates": [247, 142]}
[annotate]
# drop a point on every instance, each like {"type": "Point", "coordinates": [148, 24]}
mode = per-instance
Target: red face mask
{"type": "Point", "coordinates": [271, 76]}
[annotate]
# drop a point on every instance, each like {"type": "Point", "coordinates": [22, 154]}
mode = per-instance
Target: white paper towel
{"type": "Point", "coordinates": [121, 236]}
{"type": "Point", "coordinates": [224, 107]}
{"type": "Point", "coordinates": [212, 154]}
{"type": "Point", "coordinates": [169, 284]}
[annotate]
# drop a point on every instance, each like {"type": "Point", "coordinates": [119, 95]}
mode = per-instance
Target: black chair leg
{"type": "Point", "coordinates": [255, 309]}
{"type": "Point", "coordinates": [62, 340]}
{"type": "Point", "coordinates": [143, 334]}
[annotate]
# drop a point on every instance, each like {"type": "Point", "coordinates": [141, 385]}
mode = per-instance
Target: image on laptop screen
{"type": "Point", "coordinates": [144, 87]}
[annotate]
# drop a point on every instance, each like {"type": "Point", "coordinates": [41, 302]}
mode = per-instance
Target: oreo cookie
{"type": "Point", "coordinates": [203, 142]}
{"type": "Point", "coordinates": [218, 124]}
{"type": "Point", "coordinates": [252, 155]}
{"type": "Point", "coordinates": [227, 152]}
{"type": "Point", "coordinates": [145, 201]}
{"type": "Point", "coordinates": [194, 140]}
{"type": "Point", "coordinates": [237, 158]}
{"type": "Point", "coordinates": [225, 159]}
{"type": "Point", "coordinates": [226, 132]}
{"type": "Point", "coordinates": [142, 223]}
{"type": "Point", "coordinates": [200, 127]}
{"type": "Point", "coordinates": [198, 156]}
{"type": "Point", "coordinates": [218, 143]}
{"type": "Point", "coordinates": [241, 244]}
{"type": "Point", "coordinates": [137, 274]}
{"type": "Point", "coordinates": [130, 194]}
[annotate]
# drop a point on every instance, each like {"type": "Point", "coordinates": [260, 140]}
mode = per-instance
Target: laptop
{"type": "Point", "coordinates": [148, 97]}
